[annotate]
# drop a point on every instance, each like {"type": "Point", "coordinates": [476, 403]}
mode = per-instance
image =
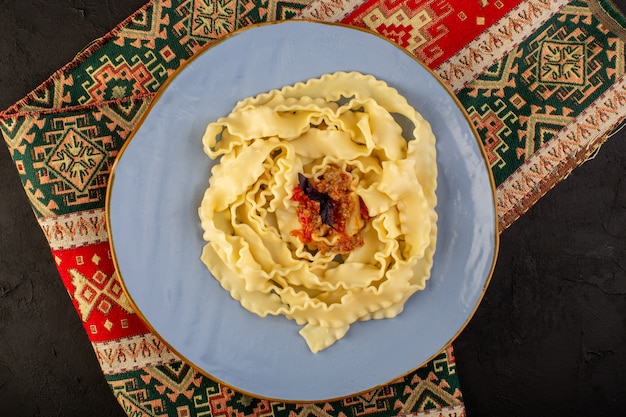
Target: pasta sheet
{"type": "Point", "coordinates": [354, 122]}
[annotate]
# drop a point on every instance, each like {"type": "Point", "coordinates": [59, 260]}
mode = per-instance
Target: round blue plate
{"type": "Point", "coordinates": [161, 175]}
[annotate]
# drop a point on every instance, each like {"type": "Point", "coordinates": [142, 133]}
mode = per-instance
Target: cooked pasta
{"type": "Point", "coordinates": [321, 204]}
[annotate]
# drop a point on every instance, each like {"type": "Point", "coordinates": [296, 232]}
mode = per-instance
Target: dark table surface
{"type": "Point", "coordinates": [548, 339]}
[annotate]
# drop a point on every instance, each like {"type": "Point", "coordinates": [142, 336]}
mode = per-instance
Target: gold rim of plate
{"type": "Point", "coordinates": [147, 112]}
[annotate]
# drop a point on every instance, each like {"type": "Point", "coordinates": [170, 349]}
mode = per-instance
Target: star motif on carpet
{"type": "Point", "coordinates": [76, 159]}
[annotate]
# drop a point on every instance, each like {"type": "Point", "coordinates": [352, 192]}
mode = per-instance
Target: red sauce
{"type": "Point", "coordinates": [337, 185]}
{"type": "Point", "coordinates": [308, 216]}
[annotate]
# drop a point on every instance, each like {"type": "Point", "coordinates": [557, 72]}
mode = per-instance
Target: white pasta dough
{"type": "Point", "coordinates": [248, 214]}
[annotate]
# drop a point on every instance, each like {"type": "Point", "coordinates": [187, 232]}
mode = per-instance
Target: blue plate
{"type": "Point", "coordinates": [161, 175]}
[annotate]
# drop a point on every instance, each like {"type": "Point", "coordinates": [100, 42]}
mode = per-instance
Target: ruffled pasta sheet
{"type": "Point", "coordinates": [344, 119]}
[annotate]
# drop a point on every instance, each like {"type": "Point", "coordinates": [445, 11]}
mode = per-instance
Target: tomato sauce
{"type": "Point", "coordinates": [330, 213]}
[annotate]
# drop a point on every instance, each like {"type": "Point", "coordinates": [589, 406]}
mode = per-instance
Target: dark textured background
{"type": "Point", "coordinates": [549, 338]}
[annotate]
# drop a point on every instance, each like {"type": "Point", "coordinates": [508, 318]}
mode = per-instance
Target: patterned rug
{"type": "Point", "coordinates": [542, 80]}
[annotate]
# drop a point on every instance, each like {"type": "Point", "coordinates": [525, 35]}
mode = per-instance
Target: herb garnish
{"type": "Point", "coordinates": [327, 206]}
